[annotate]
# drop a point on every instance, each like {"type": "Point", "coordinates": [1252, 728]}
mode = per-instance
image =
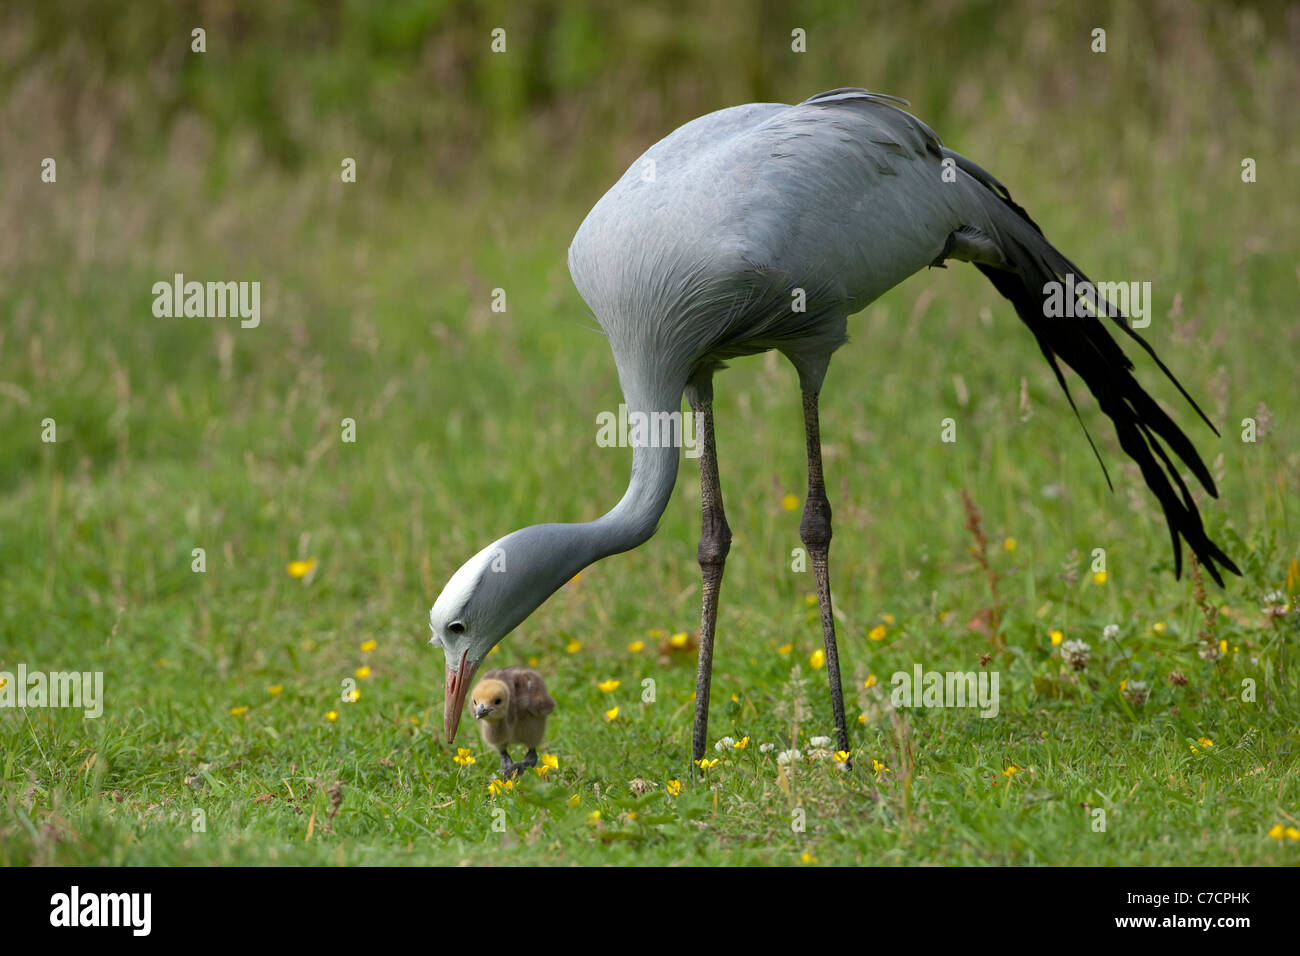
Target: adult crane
{"type": "Point", "coordinates": [699, 254]}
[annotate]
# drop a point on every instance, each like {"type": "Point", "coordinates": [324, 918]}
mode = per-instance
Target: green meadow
{"type": "Point", "coordinates": [227, 735]}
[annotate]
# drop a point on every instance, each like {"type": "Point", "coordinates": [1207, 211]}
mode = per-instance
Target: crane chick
{"type": "Point", "coordinates": [511, 706]}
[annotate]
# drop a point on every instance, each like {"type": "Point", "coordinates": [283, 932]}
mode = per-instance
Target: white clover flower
{"type": "Point", "coordinates": [1110, 632]}
{"type": "Point", "coordinates": [1136, 691]}
{"type": "Point", "coordinates": [766, 748]}
{"type": "Point", "coordinates": [788, 756]}
{"type": "Point", "coordinates": [820, 742]}
{"type": "Point", "coordinates": [725, 744]}
{"type": "Point", "coordinates": [1075, 653]}
{"type": "Point", "coordinates": [1275, 604]}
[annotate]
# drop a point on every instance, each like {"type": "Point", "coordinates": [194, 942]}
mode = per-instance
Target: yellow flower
{"type": "Point", "coordinates": [1009, 544]}
{"type": "Point", "coordinates": [464, 757]}
{"type": "Point", "coordinates": [741, 744]}
{"type": "Point", "coordinates": [704, 763]}
{"type": "Point", "coordinates": [574, 800]}
{"type": "Point", "coordinates": [275, 690]}
{"type": "Point", "coordinates": [1158, 627]}
{"type": "Point", "coordinates": [1123, 685]}
{"type": "Point", "coordinates": [785, 649]}
{"type": "Point", "coordinates": [636, 647]}
{"type": "Point", "coordinates": [3, 682]}
{"type": "Point", "coordinates": [1223, 647]}
{"type": "Point", "coordinates": [862, 718]}
{"type": "Point", "coordinates": [238, 711]}
{"type": "Point", "coordinates": [354, 695]}
{"type": "Point", "coordinates": [870, 681]}
{"type": "Point", "coordinates": [608, 686]}
{"type": "Point", "coordinates": [842, 756]}
{"type": "Point", "coordinates": [1205, 742]}
{"type": "Point", "coordinates": [674, 787]}
{"type": "Point", "coordinates": [611, 714]}
{"type": "Point", "coordinates": [1099, 577]}
{"type": "Point", "coordinates": [495, 786]}
{"type": "Point", "coordinates": [735, 698]}
{"type": "Point", "coordinates": [369, 646]}
{"type": "Point", "coordinates": [810, 600]}
{"type": "Point", "coordinates": [818, 659]}
{"type": "Point", "coordinates": [654, 634]}
{"type": "Point", "coordinates": [332, 716]}
{"type": "Point", "coordinates": [300, 569]}
{"type": "Point", "coordinates": [1011, 771]}
{"type": "Point", "coordinates": [573, 647]}
{"type": "Point", "coordinates": [549, 762]}
{"type": "Point", "coordinates": [1277, 832]}
{"type": "Point", "coordinates": [363, 672]}
{"type": "Point", "coordinates": [887, 618]}
{"type": "Point", "coordinates": [1056, 637]}
{"type": "Point", "coordinates": [879, 767]}
{"type": "Point", "coordinates": [593, 817]}
{"type": "Point", "coordinates": [877, 633]}
{"type": "Point", "coordinates": [807, 858]}
{"type": "Point", "coordinates": [679, 640]}
{"type": "Point", "coordinates": [532, 662]}
{"type": "Point", "coordinates": [790, 503]}
{"type": "Point", "coordinates": [1292, 833]}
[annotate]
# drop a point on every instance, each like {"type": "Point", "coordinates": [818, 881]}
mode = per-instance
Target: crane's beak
{"type": "Point", "coordinates": [458, 681]}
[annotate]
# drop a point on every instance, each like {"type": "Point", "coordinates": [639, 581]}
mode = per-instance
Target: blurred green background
{"type": "Point", "coordinates": [474, 169]}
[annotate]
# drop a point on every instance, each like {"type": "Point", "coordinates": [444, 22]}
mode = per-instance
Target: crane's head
{"type": "Point", "coordinates": [484, 601]}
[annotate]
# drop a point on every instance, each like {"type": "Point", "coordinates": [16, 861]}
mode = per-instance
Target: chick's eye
{"type": "Point", "coordinates": [497, 701]}
{"type": "Point", "coordinates": [456, 627]}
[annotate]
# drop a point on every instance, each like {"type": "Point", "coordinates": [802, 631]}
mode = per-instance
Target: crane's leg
{"type": "Point", "coordinates": [715, 542]}
{"type": "Point", "coordinates": [815, 532]}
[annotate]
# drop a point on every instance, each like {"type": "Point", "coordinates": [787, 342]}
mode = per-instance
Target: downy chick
{"type": "Point", "coordinates": [511, 706]}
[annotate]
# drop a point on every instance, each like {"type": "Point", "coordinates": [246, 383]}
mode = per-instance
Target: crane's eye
{"type": "Point", "coordinates": [456, 627]}
{"type": "Point", "coordinates": [497, 701]}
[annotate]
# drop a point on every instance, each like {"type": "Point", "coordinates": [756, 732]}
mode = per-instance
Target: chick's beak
{"type": "Point", "coordinates": [458, 681]}
{"type": "Point", "coordinates": [482, 710]}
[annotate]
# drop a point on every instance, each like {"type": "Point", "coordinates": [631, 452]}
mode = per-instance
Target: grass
{"type": "Point", "coordinates": [176, 434]}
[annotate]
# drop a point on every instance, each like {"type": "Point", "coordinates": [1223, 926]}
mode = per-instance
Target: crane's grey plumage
{"type": "Point", "coordinates": [698, 254]}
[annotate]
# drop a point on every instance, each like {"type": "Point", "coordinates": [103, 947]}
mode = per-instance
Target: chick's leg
{"type": "Point", "coordinates": [715, 543]}
{"type": "Point", "coordinates": [507, 765]}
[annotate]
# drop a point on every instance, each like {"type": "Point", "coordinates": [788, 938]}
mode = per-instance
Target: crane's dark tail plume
{"type": "Point", "coordinates": [1083, 343]}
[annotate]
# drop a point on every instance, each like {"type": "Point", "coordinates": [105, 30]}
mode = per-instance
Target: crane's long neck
{"type": "Point", "coordinates": [633, 520]}
{"type": "Point", "coordinates": [539, 559]}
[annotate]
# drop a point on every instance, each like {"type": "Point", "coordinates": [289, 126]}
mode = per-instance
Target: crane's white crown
{"type": "Point", "coordinates": [454, 604]}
